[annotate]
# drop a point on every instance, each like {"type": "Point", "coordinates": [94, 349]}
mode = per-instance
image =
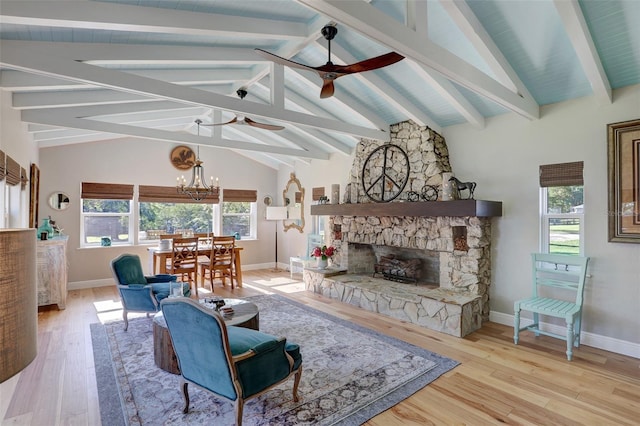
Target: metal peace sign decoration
{"type": "Point", "coordinates": [385, 173]}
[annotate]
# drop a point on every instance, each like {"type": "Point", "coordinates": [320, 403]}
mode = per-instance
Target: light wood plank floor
{"type": "Point", "coordinates": [497, 382]}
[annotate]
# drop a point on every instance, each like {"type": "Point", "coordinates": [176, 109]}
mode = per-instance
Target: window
{"type": "Point", "coordinates": [164, 211]}
{"type": "Point", "coordinates": [106, 212]}
{"type": "Point", "coordinates": [562, 208]}
{"type": "Point", "coordinates": [239, 213]}
{"type": "Point", "coordinates": [239, 217]}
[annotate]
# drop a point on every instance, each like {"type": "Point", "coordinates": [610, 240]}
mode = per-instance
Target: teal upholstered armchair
{"type": "Point", "coordinates": [232, 362]}
{"type": "Point", "coordinates": [140, 293]}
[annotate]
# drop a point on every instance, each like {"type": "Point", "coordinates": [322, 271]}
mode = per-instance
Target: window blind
{"type": "Point", "coordinates": [240, 195]}
{"type": "Point", "coordinates": [107, 191]}
{"type": "Point", "coordinates": [169, 194]}
{"type": "Point", "coordinates": [13, 171]}
{"type": "Point", "coordinates": [562, 174]}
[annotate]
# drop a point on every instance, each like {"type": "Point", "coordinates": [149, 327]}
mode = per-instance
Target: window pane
{"type": "Point", "coordinates": [96, 227]}
{"type": "Point", "coordinates": [239, 224]}
{"type": "Point", "coordinates": [565, 199]}
{"type": "Point", "coordinates": [166, 218]}
{"type": "Point", "coordinates": [564, 236]}
{"type": "Point", "coordinates": [106, 206]}
{"type": "Point", "coordinates": [236, 207]}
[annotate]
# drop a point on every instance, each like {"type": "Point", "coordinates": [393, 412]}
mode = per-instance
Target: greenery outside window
{"type": "Point", "coordinates": [163, 211]}
{"type": "Point", "coordinates": [168, 218]}
{"type": "Point", "coordinates": [239, 213]}
{"type": "Point", "coordinates": [240, 217]}
{"type": "Point", "coordinates": [562, 209]}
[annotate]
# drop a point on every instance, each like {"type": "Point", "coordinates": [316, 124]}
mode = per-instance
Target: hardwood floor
{"type": "Point", "coordinates": [497, 382]}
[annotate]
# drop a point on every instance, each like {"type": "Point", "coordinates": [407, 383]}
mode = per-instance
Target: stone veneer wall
{"type": "Point", "coordinates": [464, 270]}
{"type": "Point", "coordinates": [428, 159]}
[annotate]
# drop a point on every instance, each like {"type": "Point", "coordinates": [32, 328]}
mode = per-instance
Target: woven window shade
{"type": "Point", "coordinates": [107, 191]}
{"type": "Point", "coordinates": [13, 171]}
{"type": "Point", "coordinates": [316, 193]}
{"type": "Point", "coordinates": [562, 174]}
{"type": "Point", "coordinates": [240, 195]}
{"type": "Point", "coordinates": [2, 169]}
{"type": "Point", "coordinates": [169, 194]}
{"type": "Point", "coordinates": [298, 197]}
{"type": "Point", "coordinates": [24, 178]}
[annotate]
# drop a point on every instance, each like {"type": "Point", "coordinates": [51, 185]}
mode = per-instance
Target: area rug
{"type": "Point", "coordinates": [349, 374]}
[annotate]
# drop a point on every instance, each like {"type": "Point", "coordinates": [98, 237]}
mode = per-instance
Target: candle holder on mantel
{"type": "Point", "coordinates": [335, 193]}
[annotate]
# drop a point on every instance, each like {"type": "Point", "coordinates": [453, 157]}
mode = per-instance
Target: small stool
{"type": "Point", "coordinates": [302, 262]}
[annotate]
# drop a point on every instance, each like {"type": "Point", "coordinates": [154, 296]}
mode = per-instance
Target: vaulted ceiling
{"type": "Point", "coordinates": [83, 71]}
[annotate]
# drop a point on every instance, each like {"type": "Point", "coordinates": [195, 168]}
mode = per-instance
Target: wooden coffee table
{"type": "Point", "coordinates": [245, 314]}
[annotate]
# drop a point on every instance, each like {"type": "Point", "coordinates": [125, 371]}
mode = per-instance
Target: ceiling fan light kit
{"type": "Point", "coordinates": [245, 120]}
{"type": "Point", "coordinates": [329, 71]}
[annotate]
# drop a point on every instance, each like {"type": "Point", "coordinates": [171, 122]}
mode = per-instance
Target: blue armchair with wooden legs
{"type": "Point", "coordinates": [140, 293]}
{"type": "Point", "coordinates": [234, 363]}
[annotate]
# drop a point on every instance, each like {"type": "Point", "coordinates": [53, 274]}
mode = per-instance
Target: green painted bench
{"type": "Point", "coordinates": [559, 271]}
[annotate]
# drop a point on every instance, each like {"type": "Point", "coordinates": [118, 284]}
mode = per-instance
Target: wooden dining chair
{"type": "Point", "coordinates": [170, 236]}
{"type": "Point", "coordinates": [221, 261]}
{"type": "Point", "coordinates": [184, 260]}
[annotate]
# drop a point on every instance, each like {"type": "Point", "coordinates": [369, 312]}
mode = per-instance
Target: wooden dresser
{"type": "Point", "coordinates": [51, 265]}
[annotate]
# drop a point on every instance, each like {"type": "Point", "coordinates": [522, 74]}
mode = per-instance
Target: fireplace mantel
{"type": "Point", "coordinates": [478, 208]}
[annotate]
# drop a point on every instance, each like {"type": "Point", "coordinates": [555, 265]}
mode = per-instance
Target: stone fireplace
{"type": "Point", "coordinates": [452, 239]}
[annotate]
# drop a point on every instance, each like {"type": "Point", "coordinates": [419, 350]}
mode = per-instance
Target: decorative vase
{"type": "Point", "coordinates": [45, 228]}
{"type": "Point", "coordinates": [448, 188]}
{"type": "Point", "coordinates": [322, 263]}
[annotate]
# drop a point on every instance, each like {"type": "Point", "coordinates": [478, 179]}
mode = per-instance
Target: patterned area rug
{"type": "Point", "coordinates": [349, 373]}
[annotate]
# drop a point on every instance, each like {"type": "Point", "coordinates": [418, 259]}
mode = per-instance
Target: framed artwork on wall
{"type": "Point", "coordinates": [34, 194]}
{"type": "Point", "coordinates": [624, 181]}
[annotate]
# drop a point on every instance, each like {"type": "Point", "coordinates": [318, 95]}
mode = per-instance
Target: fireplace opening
{"type": "Point", "coordinates": [420, 267]}
{"type": "Point", "coordinates": [394, 269]}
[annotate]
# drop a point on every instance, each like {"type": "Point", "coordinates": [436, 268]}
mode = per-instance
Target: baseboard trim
{"type": "Point", "coordinates": [599, 341]}
{"type": "Point", "coordinates": [77, 285]}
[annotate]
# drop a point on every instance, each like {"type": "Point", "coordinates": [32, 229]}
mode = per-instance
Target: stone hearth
{"type": "Point", "coordinates": [446, 310]}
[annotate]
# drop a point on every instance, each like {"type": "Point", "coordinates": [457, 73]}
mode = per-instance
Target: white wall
{"type": "Point", "coordinates": [504, 159]}
{"type": "Point", "coordinates": [318, 173]}
{"type": "Point", "coordinates": [17, 143]}
{"type": "Point", "coordinates": [140, 162]}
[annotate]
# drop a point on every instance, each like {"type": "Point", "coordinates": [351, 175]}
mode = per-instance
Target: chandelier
{"type": "Point", "coordinates": [197, 189]}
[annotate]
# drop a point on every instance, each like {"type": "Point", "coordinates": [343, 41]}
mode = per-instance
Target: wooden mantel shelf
{"type": "Point", "coordinates": [478, 208]}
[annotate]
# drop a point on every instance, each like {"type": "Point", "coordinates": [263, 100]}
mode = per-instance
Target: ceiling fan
{"type": "Point", "coordinates": [242, 120]}
{"type": "Point", "coordinates": [329, 71]}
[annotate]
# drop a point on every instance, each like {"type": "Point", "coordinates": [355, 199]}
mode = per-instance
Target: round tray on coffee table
{"type": "Point", "coordinates": [245, 314]}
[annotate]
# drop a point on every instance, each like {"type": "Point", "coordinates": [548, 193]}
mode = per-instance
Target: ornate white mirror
{"type": "Point", "coordinates": [59, 201]}
{"type": "Point", "coordinates": [293, 197]}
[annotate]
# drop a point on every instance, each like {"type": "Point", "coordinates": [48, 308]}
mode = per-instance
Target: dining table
{"type": "Point", "coordinates": [160, 256]}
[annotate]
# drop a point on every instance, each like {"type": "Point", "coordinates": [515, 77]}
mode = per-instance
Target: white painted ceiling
{"type": "Point", "coordinates": [83, 71]}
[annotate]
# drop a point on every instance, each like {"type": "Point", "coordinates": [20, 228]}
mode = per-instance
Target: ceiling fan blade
{"type": "Point", "coordinates": [369, 64]}
{"type": "Point", "coordinates": [250, 122]}
{"type": "Point", "coordinates": [327, 88]}
{"type": "Point", "coordinates": [234, 120]}
{"type": "Point", "coordinates": [280, 60]}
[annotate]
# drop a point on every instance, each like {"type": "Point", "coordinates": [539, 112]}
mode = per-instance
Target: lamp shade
{"type": "Point", "coordinates": [294, 212]}
{"type": "Point", "coordinates": [19, 302]}
{"type": "Point", "coordinates": [276, 213]}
